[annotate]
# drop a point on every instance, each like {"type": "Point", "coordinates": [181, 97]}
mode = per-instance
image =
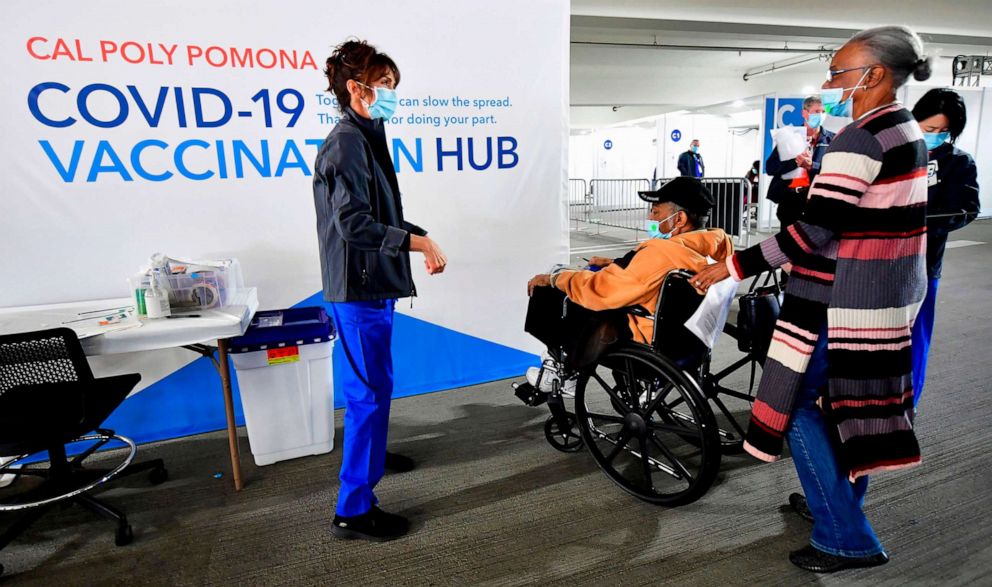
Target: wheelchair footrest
{"type": "Point", "coordinates": [529, 394]}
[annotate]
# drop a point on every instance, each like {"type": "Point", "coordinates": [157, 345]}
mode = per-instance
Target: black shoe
{"type": "Point", "coordinates": [818, 561]}
{"type": "Point", "coordinates": [375, 525]}
{"type": "Point", "coordinates": [799, 504]}
{"type": "Point", "coordinates": [398, 463]}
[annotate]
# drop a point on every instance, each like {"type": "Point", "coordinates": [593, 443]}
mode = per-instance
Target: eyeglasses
{"type": "Point", "coordinates": [832, 73]}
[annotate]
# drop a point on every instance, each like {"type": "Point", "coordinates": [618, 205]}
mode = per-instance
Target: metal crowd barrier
{"type": "Point", "coordinates": [579, 201]}
{"type": "Point", "coordinates": [615, 203]}
{"type": "Point", "coordinates": [731, 210]}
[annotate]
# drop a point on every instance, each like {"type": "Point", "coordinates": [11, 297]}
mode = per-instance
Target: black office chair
{"type": "Point", "coordinates": [49, 400]}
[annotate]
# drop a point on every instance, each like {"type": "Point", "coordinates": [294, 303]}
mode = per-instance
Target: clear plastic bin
{"type": "Point", "coordinates": [194, 286]}
{"type": "Point", "coordinates": [283, 366]}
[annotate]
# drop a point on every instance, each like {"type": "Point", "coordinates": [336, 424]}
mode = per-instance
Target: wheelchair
{"type": "Point", "coordinates": [652, 416]}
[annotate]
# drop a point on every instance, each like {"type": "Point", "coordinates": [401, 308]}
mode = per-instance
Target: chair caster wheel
{"type": "Point", "coordinates": [158, 476]}
{"type": "Point", "coordinates": [563, 440]}
{"type": "Point", "coordinates": [124, 535]}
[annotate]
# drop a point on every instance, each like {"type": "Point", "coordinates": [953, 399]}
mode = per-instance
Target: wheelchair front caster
{"type": "Point", "coordinates": [158, 476]}
{"type": "Point", "coordinates": [124, 535]}
{"type": "Point", "coordinates": [567, 440]}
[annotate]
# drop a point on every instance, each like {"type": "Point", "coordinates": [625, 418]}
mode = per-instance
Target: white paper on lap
{"type": "Point", "coordinates": [708, 320]}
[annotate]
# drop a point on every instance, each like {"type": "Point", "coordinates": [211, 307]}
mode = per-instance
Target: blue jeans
{"type": "Point", "coordinates": [365, 330]}
{"type": "Point", "coordinates": [922, 333]}
{"type": "Point", "coordinates": [840, 526]}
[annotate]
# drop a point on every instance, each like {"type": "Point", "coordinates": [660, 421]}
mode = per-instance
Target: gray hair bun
{"type": "Point", "coordinates": [897, 48]}
{"type": "Point", "coordinates": [923, 69]}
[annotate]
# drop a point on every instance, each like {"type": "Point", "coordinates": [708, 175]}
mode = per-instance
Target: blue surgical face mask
{"type": "Point", "coordinates": [935, 139]}
{"type": "Point", "coordinates": [654, 228]}
{"type": "Point", "coordinates": [831, 99]}
{"type": "Point", "coordinates": [385, 102]}
{"type": "Point", "coordinates": [694, 148]}
{"type": "Point", "coordinates": [814, 120]}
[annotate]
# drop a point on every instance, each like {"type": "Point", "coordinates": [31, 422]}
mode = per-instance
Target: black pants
{"type": "Point", "coordinates": [575, 335]}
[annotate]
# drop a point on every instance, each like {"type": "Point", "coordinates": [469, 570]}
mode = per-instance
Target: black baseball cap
{"type": "Point", "coordinates": [687, 192]}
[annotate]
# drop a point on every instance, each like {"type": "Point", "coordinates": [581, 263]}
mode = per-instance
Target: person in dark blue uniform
{"type": "Point", "coordinates": [365, 266]}
{"type": "Point", "coordinates": [691, 162]}
{"type": "Point", "coordinates": [952, 202]}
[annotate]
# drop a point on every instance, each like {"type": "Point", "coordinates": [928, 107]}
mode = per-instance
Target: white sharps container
{"type": "Point", "coordinates": [283, 365]}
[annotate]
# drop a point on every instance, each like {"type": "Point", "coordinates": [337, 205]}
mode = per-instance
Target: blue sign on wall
{"type": "Point", "coordinates": [676, 135]}
{"type": "Point", "coordinates": [607, 144]}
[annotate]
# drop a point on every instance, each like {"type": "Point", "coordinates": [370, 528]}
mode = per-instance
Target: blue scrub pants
{"type": "Point", "coordinates": [365, 331]}
{"type": "Point", "coordinates": [840, 526]}
{"type": "Point", "coordinates": [922, 333]}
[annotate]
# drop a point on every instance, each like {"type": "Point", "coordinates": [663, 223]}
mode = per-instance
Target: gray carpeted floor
{"type": "Point", "coordinates": [493, 504]}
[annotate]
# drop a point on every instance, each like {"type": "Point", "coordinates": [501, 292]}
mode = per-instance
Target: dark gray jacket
{"type": "Point", "coordinates": [952, 200]}
{"type": "Point", "coordinates": [363, 238]}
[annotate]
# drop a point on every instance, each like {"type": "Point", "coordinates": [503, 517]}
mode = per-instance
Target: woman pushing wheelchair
{"type": "Point", "coordinates": [838, 380]}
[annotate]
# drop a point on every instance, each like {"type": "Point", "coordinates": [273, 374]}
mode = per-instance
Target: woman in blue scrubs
{"type": "Point", "coordinates": [365, 245]}
{"type": "Point", "coordinates": [952, 202]}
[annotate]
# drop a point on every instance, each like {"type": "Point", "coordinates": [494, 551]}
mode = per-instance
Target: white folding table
{"type": "Point", "coordinates": [193, 333]}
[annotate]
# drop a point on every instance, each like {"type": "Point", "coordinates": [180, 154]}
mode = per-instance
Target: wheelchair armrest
{"type": "Point", "coordinates": [639, 311]}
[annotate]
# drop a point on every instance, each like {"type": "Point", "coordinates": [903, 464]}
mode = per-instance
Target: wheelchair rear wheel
{"type": "Point", "coordinates": [626, 420]}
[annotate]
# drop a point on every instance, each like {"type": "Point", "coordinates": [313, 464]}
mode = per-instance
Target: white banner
{"type": "Point", "coordinates": [191, 128]}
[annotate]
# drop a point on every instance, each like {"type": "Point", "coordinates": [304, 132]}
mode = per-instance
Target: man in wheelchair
{"type": "Point", "coordinates": [619, 346]}
{"type": "Point", "coordinates": [601, 300]}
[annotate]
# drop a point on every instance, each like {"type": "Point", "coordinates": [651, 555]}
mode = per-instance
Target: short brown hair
{"type": "Point", "coordinates": [359, 61]}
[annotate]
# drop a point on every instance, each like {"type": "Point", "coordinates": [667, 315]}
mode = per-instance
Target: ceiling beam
{"type": "Point", "coordinates": [604, 24]}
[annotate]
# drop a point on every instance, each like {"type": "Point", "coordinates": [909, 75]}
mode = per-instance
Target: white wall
{"type": "Point", "coordinates": [631, 156]}
{"type": "Point", "coordinates": [727, 151]}
{"type": "Point", "coordinates": [724, 154]}
{"type": "Point", "coordinates": [714, 143]}
{"type": "Point", "coordinates": [984, 145]}
{"type": "Point", "coordinates": [745, 149]}
{"type": "Point", "coordinates": [582, 155]}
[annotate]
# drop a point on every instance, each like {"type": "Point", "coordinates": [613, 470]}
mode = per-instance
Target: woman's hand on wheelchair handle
{"type": "Point", "coordinates": [710, 275]}
{"type": "Point", "coordinates": [539, 280]}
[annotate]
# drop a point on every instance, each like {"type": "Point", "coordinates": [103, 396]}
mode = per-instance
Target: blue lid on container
{"type": "Point", "coordinates": [271, 329]}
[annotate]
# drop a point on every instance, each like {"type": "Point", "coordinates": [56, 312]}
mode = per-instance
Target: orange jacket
{"type": "Point", "coordinates": [639, 284]}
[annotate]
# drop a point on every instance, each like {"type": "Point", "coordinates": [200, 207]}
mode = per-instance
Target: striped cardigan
{"type": "Point", "coordinates": [858, 257]}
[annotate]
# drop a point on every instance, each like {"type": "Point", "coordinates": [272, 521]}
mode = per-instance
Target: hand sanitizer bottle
{"type": "Point", "coordinates": [157, 297]}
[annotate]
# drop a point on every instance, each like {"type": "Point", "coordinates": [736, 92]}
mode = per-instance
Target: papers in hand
{"type": "Point", "coordinates": [94, 322]}
{"type": "Point", "coordinates": [708, 320]}
{"type": "Point", "coordinates": [790, 141]}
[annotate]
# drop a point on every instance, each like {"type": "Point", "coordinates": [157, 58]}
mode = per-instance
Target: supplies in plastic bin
{"type": "Point", "coordinates": [191, 285]}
